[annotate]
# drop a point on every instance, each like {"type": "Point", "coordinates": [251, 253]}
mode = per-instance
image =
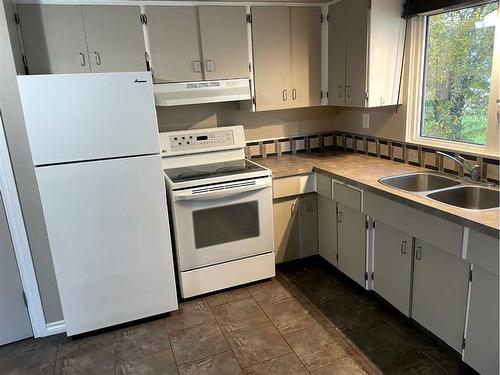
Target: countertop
{"type": "Point", "coordinates": [364, 171]}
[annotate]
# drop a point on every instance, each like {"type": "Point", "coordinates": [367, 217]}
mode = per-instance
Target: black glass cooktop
{"type": "Point", "coordinates": [199, 172]}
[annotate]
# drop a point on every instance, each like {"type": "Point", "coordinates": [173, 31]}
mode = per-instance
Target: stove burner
{"type": "Point", "coordinates": [194, 174]}
{"type": "Point", "coordinates": [234, 168]}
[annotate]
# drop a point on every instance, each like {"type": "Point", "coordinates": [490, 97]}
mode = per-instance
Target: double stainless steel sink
{"type": "Point", "coordinates": [446, 190]}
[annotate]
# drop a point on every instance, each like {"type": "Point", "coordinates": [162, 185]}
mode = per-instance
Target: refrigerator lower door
{"type": "Point", "coordinates": [109, 236]}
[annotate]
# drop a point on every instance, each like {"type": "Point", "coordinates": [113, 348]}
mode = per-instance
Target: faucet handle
{"type": "Point", "coordinates": [475, 172]}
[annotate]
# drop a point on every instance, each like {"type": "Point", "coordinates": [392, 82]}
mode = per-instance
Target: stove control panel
{"type": "Point", "coordinates": [197, 140]}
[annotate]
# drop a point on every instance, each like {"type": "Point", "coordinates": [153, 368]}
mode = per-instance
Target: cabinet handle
{"type": "Point", "coordinates": [197, 66]}
{"type": "Point", "coordinates": [294, 94]}
{"type": "Point", "coordinates": [211, 63]}
{"type": "Point", "coordinates": [403, 247]}
{"type": "Point", "coordinates": [340, 216]}
{"type": "Point", "coordinates": [339, 91]}
{"type": "Point", "coordinates": [97, 58]}
{"type": "Point", "coordinates": [348, 91]}
{"type": "Point", "coordinates": [285, 95]}
{"type": "Point", "coordinates": [418, 253]}
{"type": "Point", "coordinates": [82, 59]}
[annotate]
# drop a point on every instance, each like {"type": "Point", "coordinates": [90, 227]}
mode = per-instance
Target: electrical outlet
{"type": "Point", "coordinates": [366, 120]}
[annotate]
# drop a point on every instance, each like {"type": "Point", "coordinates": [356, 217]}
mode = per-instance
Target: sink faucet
{"type": "Point", "coordinates": [474, 171]}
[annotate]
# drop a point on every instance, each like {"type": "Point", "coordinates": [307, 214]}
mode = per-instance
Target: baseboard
{"type": "Point", "coordinates": [55, 328]}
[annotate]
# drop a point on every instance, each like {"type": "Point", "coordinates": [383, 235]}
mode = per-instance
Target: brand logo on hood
{"type": "Point", "coordinates": [140, 81]}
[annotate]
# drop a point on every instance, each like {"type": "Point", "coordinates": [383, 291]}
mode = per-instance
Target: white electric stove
{"type": "Point", "coordinates": [221, 206]}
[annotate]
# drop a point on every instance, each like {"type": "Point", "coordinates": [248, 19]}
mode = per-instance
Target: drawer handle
{"type": "Point", "coordinates": [294, 94]}
{"type": "Point", "coordinates": [418, 253]}
{"type": "Point", "coordinates": [285, 95]}
{"type": "Point", "coordinates": [339, 91]}
{"type": "Point", "coordinates": [348, 91]}
{"type": "Point", "coordinates": [403, 247]}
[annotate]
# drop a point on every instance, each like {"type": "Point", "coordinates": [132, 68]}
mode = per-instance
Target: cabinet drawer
{"type": "Point", "coordinates": [324, 185]}
{"type": "Point", "coordinates": [347, 195]}
{"type": "Point", "coordinates": [482, 250]}
{"type": "Point", "coordinates": [434, 230]}
{"type": "Point", "coordinates": [286, 186]}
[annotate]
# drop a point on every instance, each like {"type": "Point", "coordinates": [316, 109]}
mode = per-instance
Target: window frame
{"type": "Point", "coordinates": [416, 76]}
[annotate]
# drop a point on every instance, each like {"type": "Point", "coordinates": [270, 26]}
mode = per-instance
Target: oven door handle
{"type": "Point", "coordinates": [217, 194]}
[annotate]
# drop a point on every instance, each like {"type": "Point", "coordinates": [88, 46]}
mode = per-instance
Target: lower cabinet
{"type": "Point", "coordinates": [327, 229]}
{"type": "Point", "coordinates": [392, 266]}
{"type": "Point", "coordinates": [295, 227]}
{"type": "Point", "coordinates": [308, 220]}
{"type": "Point", "coordinates": [440, 286]}
{"type": "Point", "coordinates": [481, 347]}
{"type": "Point", "coordinates": [286, 229]}
{"type": "Point", "coordinates": [351, 242]}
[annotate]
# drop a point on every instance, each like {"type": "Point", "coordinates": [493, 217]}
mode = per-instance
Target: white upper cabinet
{"type": "Point", "coordinates": [47, 48]}
{"type": "Point", "coordinates": [305, 53]}
{"type": "Point", "coordinates": [174, 38]}
{"type": "Point", "coordinates": [114, 38]}
{"type": "Point", "coordinates": [336, 54]}
{"type": "Point", "coordinates": [191, 43]}
{"type": "Point", "coordinates": [271, 53]}
{"type": "Point", "coordinates": [365, 48]}
{"type": "Point", "coordinates": [82, 39]}
{"type": "Point", "coordinates": [287, 56]}
{"type": "Point", "coordinates": [224, 42]}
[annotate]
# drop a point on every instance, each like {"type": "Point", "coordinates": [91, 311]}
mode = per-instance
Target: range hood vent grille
{"type": "Point", "coordinates": [172, 94]}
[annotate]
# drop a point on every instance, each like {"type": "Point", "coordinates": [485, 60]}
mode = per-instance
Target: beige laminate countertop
{"type": "Point", "coordinates": [364, 171]}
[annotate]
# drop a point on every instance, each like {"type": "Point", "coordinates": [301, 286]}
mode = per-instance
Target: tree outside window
{"type": "Point", "coordinates": [459, 55]}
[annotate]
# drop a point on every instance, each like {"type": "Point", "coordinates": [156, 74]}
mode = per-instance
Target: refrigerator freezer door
{"type": "Point", "coordinates": [77, 117]}
{"type": "Point", "coordinates": [109, 236]}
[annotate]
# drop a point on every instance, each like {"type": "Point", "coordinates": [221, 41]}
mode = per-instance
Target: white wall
{"type": "Point", "coordinates": [17, 140]}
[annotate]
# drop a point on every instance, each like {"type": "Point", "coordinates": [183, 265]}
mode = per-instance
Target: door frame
{"type": "Point", "coordinates": [20, 241]}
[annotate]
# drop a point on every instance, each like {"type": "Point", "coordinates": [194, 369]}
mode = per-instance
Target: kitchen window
{"type": "Point", "coordinates": [453, 83]}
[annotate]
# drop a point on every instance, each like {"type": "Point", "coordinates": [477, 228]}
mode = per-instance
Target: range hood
{"type": "Point", "coordinates": [182, 93]}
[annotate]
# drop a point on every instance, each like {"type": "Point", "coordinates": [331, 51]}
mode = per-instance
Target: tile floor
{"type": "Point", "coordinates": [307, 320]}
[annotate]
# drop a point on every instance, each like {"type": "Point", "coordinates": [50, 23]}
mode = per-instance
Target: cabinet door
{"type": "Point", "coordinates": [336, 53]}
{"type": "Point", "coordinates": [174, 38]}
{"type": "Point", "coordinates": [440, 283]}
{"type": "Point", "coordinates": [271, 52]}
{"type": "Point", "coordinates": [308, 225]}
{"type": "Point", "coordinates": [392, 266]}
{"type": "Point", "coordinates": [327, 229]}
{"type": "Point", "coordinates": [114, 37]}
{"type": "Point", "coordinates": [481, 348]}
{"type": "Point", "coordinates": [305, 53]}
{"type": "Point", "coordinates": [356, 52]}
{"type": "Point", "coordinates": [54, 38]}
{"type": "Point", "coordinates": [286, 229]}
{"type": "Point", "coordinates": [352, 243]}
{"type": "Point", "coordinates": [224, 41]}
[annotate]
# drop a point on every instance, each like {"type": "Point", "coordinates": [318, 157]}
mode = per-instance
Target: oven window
{"type": "Point", "coordinates": [223, 224]}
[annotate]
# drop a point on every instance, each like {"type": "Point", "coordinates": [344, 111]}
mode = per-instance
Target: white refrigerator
{"type": "Point", "coordinates": [95, 148]}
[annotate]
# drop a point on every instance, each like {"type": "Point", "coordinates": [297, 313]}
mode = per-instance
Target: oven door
{"type": "Point", "coordinates": [223, 222]}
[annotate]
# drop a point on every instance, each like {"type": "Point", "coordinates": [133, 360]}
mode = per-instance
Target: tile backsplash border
{"type": "Point", "coordinates": [402, 152]}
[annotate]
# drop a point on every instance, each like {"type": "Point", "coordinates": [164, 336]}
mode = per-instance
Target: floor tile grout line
{"type": "Point", "coordinates": [341, 334]}
{"type": "Point", "coordinates": [226, 338]}
{"type": "Point", "coordinates": [283, 337]}
{"type": "Point", "coordinates": [327, 320]}
{"type": "Point", "coordinates": [170, 344]}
